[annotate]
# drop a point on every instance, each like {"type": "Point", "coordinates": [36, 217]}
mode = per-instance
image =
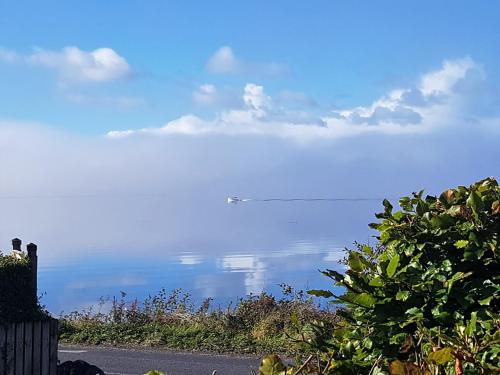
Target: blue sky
{"type": "Point", "coordinates": [334, 53]}
{"type": "Point", "coordinates": [105, 102]}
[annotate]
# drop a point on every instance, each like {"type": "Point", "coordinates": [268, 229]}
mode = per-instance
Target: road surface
{"type": "Point", "coordinates": [115, 361]}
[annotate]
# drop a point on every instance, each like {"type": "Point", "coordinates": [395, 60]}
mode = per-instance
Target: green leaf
{"type": "Point", "coordinates": [367, 250]}
{"type": "Point", "coordinates": [455, 210]}
{"type": "Point", "coordinates": [365, 299]}
{"type": "Point", "coordinates": [402, 295]}
{"type": "Point", "coordinates": [457, 276]}
{"type": "Point", "coordinates": [271, 365]}
{"type": "Point", "coordinates": [421, 207]}
{"type": "Point", "coordinates": [376, 281]}
{"type": "Point", "coordinates": [414, 314]}
{"type": "Point", "coordinates": [337, 276]}
{"type": "Point", "coordinates": [460, 244]}
{"type": "Point", "coordinates": [367, 343]}
{"type": "Point", "coordinates": [398, 216]}
{"type": "Point", "coordinates": [486, 301]}
{"type": "Point", "coordinates": [398, 338]}
{"type": "Point", "coordinates": [441, 356]}
{"type": "Point", "coordinates": [475, 202]}
{"type": "Point", "coordinates": [361, 299]}
{"type": "Point", "coordinates": [355, 262]}
{"type": "Point", "coordinates": [405, 203]}
{"type": "Point", "coordinates": [393, 265]}
{"type": "Point", "coordinates": [471, 326]}
{"type": "Point", "coordinates": [387, 206]}
{"type": "Point", "coordinates": [439, 313]}
{"type": "Point", "coordinates": [409, 250]}
{"type": "Point", "coordinates": [384, 236]}
{"type": "Point", "coordinates": [320, 293]}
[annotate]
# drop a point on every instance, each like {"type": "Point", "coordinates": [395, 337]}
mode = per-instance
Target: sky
{"type": "Point", "coordinates": [127, 124]}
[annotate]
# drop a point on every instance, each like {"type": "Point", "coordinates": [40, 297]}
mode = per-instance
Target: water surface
{"type": "Point", "coordinates": [211, 250]}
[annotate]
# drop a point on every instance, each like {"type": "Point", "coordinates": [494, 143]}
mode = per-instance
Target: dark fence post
{"type": "Point", "coordinates": [31, 248]}
{"type": "Point", "coordinates": [16, 244]}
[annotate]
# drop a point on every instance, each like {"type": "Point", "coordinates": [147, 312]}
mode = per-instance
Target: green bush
{"type": "Point", "coordinates": [425, 300]}
{"type": "Point", "coordinates": [16, 297]}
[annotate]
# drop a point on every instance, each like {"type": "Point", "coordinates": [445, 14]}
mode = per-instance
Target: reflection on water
{"type": "Point", "coordinates": [225, 278]}
{"type": "Point", "coordinates": [207, 248]}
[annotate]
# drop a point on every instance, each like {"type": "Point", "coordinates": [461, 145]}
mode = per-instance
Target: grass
{"type": "Point", "coordinates": [254, 325]}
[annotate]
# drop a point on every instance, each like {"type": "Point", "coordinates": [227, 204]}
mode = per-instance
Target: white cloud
{"type": "Point", "coordinates": [258, 116]}
{"type": "Point", "coordinates": [442, 81]}
{"type": "Point", "coordinates": [224, 61]}
{"type": "Point", "coordinates": [434, 102]}
{"type": "Point", "coordinates": [76, 65]}
{"type": "Point", "coordinates": [439, 100]}
{"type": "Point", "coordinates": [255, 98]}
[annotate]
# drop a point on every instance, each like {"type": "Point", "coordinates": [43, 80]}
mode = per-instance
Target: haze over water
{"type": "Point", "coordinates": [250, 248]}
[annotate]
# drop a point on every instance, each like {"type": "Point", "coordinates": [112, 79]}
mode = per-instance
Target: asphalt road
{"type": "Point", "coordinates": [115, 361]}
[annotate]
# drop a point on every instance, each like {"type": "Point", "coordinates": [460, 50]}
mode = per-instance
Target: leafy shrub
{"type": "Point", "coordinates": [423, 301]}
{"type": "Point", "coordinates": [16, 297]}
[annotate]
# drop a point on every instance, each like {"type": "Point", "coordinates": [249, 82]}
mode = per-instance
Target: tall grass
{"type": "Point", "coordinates": [254, 324]}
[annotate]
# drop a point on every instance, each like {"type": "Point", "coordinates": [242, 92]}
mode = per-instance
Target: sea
{"type": "Point", "coordinates": [98, 248]}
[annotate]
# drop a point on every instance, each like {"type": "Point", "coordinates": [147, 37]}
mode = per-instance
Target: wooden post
{"type": "Point", "coordinates": [19, 362]}
{"type": "Point", "coordinates": [32, 248]}
{"type": "Point", "coordinates": [16, 244]}
{"type": "Point", "coordinates": [46, 347]}
{"type": "Point", "coordinates": [10, 363]}
{"type": "Point", "coordinates": [37, 347]}
{"type": "Point", "coordinates": [54, 328]}
{"type": "Point", "coordinates": [3, 349]}
{"type": "Point", "coordinates": [28, 348]}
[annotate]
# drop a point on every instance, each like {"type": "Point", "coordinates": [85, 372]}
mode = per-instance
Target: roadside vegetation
{"type": "Point", "coordinates": [255, 324]}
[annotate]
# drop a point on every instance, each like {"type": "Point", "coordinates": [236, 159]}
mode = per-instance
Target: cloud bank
{"type": "Point", "coordinates": [440, 100]}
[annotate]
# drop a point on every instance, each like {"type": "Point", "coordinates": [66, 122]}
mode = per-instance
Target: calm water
{"type": "Point", "coordinates": [211, 249]}
{"type": "Point", "coordinates": [225, 277]}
